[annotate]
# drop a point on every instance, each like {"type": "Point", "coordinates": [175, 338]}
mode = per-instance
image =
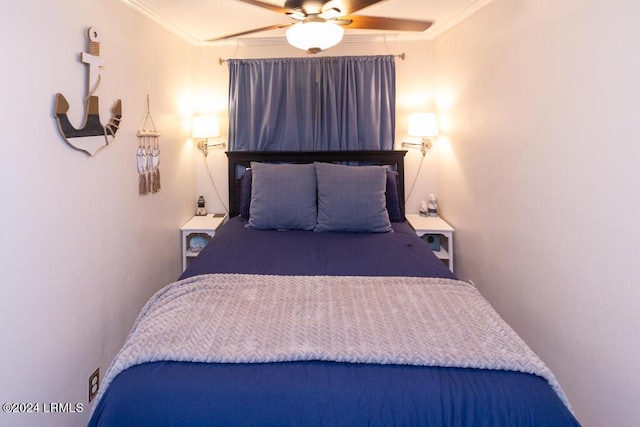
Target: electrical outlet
{"type": "Point", "coordinates": [94, 384]}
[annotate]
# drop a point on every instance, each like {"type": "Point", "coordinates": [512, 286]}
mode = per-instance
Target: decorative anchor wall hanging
{"type": "Point", "coordinates": [92, 136]}
{"type": "Point", "coordinates": [148, 156]}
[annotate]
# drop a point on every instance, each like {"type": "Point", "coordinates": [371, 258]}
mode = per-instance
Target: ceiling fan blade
{"type": "Point", "coordinates": [244, 33]}
{"type": "Point", "coordinates": [348, 7]}
{"type": "Point", "coordinates": [380, 23]}
{"type": "Point", "coordinates": [268, 6]}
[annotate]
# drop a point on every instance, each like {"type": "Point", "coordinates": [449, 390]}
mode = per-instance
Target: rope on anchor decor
{"type": "Point", "coordinates": [148, 156]}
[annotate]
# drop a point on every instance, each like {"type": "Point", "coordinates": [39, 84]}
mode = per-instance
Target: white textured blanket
{"type": "Point", "coordinates": [388, 320]}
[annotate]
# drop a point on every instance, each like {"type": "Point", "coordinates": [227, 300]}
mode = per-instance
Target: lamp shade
{"type": "Point", "coordinates": [314, 36]}
{"type": "Point", "coordinates": [423, 125]}
{"type": "Point", "coordinates": [203, 127]}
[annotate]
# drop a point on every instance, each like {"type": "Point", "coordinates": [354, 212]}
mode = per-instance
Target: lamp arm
{"type": "Point", "coordinates": [426, 146]}
{"type": "Point", "coordinates": [203, 145]}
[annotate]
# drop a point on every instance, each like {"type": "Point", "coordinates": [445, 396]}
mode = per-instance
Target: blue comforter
{"type": "Point", "coordinates": [323, 393]}
{"type": "Point", "coordinates": [236, 249]}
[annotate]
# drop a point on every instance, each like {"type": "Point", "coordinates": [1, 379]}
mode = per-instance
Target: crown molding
{"type": "Point", "coordinates": [441, 27]}
{"type": "Point", "coordinates": [158, 19]}
{"type": "Point", "coordinates": [433, 32]}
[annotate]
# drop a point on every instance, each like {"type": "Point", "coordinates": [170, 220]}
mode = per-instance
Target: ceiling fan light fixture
{"type": "Point", "coordinates": [299, 16]}
{"type": "Point", "coordinates": [314, 35]}
{"type": "Point", "coordinates": [330, 13]}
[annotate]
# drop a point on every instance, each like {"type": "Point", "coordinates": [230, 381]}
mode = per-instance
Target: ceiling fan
{"type": "Point", "coordinates": [317, 25]}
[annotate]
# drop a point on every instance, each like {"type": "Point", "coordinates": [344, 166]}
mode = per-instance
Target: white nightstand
{"type": "Point", "coordinates": [429, 225]}
{"type": "Point", "coordinates": [196, 233]}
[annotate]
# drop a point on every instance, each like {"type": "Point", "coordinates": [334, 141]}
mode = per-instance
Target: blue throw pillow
{"type": "Point", "coordinates": [283, 196]}
{"type": "Point", "coordinates": [392, 194]}
{"type": "Point", "coordinates": [352, 198]}
{"type": "Point", "coordinates": [245, 194]}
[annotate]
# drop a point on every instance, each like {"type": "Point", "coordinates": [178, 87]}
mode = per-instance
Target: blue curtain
{"type": "Point", "coordinates": [313, 104]}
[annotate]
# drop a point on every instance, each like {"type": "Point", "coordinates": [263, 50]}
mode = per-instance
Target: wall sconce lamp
{"type": "Point", "coordinates": [203, 128]}
{"type": "Point", "coordinates": [424, 126]}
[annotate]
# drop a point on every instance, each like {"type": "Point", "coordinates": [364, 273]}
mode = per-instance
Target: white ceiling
{"type": "Point", "coordinates": [198, 20]}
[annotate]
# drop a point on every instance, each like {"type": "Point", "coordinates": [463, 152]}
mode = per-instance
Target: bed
{"type": "Point", "coordinates": [307, 310]}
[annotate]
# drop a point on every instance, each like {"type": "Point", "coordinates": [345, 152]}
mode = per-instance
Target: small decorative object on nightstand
{"type": "Point", "coordinates": [436, 233]}
{"type": "Point", "coordinates": [196, 233]}
{"type": "Point", "coordinates": [201, 211]}
{"type": "Point", "coordinates": [432, 205]}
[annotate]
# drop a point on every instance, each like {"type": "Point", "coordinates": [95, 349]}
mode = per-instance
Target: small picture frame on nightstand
{"type": "Point", "coordinates": [432, 240]}
{"type": "Point", "coordinates": [197, 242]}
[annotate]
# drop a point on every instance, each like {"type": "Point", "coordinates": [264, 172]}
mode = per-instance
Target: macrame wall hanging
{"type": "Point", "coordinates": [148, 156]}
{"type": "Point", "coordinates": [92, 136]}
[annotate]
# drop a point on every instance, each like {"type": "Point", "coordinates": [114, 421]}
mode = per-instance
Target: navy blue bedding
{"type": "Point", "coordinates": [326, 394]}
{"type": "Point", "coordinates": [236, 249]}
{"type": "Point", "coordinates": [323, 393]}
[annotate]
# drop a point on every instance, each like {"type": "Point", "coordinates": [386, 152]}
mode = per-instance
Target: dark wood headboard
{"type": "Point", "coordinates": [244, 158]}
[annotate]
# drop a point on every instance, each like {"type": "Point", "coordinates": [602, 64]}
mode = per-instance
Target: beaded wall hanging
{"type": "Point", "coordinates": [148, 156]}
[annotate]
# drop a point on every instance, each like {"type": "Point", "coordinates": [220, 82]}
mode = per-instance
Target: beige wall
{"type": "Point", "coordinates": [81, 251]}
{"type": "Point", "coordinates": [415, 93]}
{"type": "Point", "coordinates": [539, 176]}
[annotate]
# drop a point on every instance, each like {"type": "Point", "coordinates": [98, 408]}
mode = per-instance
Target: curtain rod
{"type": "Point", "coordinates": [399, 56]}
